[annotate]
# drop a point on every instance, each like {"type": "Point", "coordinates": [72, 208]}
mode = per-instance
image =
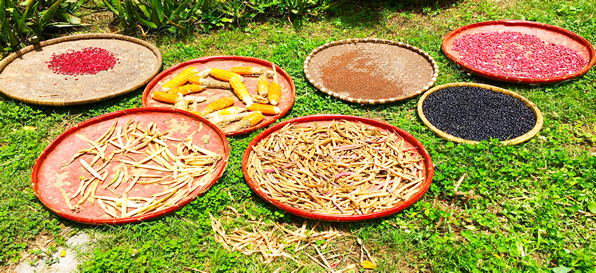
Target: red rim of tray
{"type": "Point", "coordinates": [37, 178]}
{"type": "Point", "coordinates": [545, 32]}
{"type": "Point", "coordinates": [337, 217]}
{"type": "Point", "coordinates": [287, 85]}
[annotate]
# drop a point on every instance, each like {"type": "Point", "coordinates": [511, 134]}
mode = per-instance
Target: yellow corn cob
{"type": "Point", "coordinates": [223, 75]}
{"type": "Point", "coordinates": [274, 93]}
{"type": "Point", "coordinates": [210, 83]}
{"type": "Point", "coordinates": [242, 70]}
{"type": "Point", "coordinates": [262, 85]}
{"type": "Point", "coordinates": [186, 89]}
{"type": "Point", "coordinates": [164, 97]}
{"type": "Point", "coordinates": [264, 108]}
{"type": "Point", "coordinates": [226, 111]}
{"type": "Point", "coordinates": [240, 90]}
{"type": "Point", "coordinates": [249, 70]}
{"type": "Point", "coordinates": [218, 105]}
{"type": "Point", "coordinates": [251, 120]}
{"type": "Point", "coordinates": [274, 90]}
{"type": "Point", "coordinates": [179, 79]}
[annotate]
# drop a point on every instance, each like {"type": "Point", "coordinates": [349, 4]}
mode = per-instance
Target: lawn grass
{"type": "Point", "coordinates": [525, 207]}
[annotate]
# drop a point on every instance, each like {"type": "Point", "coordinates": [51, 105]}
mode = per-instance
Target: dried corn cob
{"type": "Point", "coordinates": [204, 73]}
{"type": "Point", "coordinates": [264, 108]}
{"type": "Point", "coordinates": [249, 70]}
{"type": "Point", "coordinates": [274, 91]}
{"type": "Point", "coordinates": [240, 90]}
{"type": "Point", "coordinates": [251, 120]}
{"type": "Point", "coordinates": [164, 97]}
{"type": "Point", "coordinates": [218, 105]}
{"type": "Point", "coordinates": [224, 120]}
{"type": "Point", "coordinates": [226, 111]}
{"type": "Point", "coordinates": [262, 86]}
{"type": "Point", "coordinates": [209, 83]}
{"type": "Point", "coordinates": [186, 89]}
{"type": "Point", "coordinates": [259, 99]}
{"type": "Point", "coordinates": [223, 75]}
{"type": "Point", "coordinates": [181, 103]}
{"type": "Point", "coordinates": [194, 107]}
{"type": "Point", "coordinates": [179, 79]}
{"type": "Point", "coordinates": [197, 99]}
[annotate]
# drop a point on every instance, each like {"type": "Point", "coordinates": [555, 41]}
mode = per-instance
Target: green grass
{"type": "Point", "coordinates": [525, 207]}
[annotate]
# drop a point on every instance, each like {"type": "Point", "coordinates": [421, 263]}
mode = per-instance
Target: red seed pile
{"type": "Point", "coordinates": [516, 54]}
{"type": "Point", "coordinates": [87, 61]}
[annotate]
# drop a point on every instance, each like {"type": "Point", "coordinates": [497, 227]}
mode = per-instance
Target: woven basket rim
{"type": "Point", "coordinates": [520, 139]}
{"type": "Point", "coordinates": [419, 51]}
{"type": "Point", "coordinates": [49, 102]}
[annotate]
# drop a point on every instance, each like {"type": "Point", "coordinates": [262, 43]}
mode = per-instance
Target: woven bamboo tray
{"type": "Point", "coordinates": [547, 33]}
{"type": "Point", "coordinates": [409, 141]}
{"type": "Point", "coordinates": [50, 174]}
{"type": "Point", "coordinates": [530, 134]}
{"type": "Point", "coordinates": [288, 90]}
{"type": "Point", "coordinates": [370, 71]}
{"type": "Point", "coordinates": [24, 75]}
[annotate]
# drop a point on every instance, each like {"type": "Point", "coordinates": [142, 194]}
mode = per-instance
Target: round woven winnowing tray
{"type": "Point", "coordinates": [520, 139]}
{"type": "Point", "coordinates": [25, 76]}
{"type": "Point", "coordinates": [56, 171]}
{"type": "Point", "coordinates": [546, 33]}
{"type": "Point", "coordinates": [370, 71]}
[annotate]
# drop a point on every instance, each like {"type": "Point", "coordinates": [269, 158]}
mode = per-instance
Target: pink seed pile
{"type": "Point", "coordinates": [87, 61]}
{"type": "Point", "coordinates": [516, 54]}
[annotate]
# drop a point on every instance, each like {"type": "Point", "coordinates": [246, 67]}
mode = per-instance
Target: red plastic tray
{"type": "Point", "coordinates": [326, 119]}
{"type": "Point", "coordinates": [48, 175]}
{"type": "Point", "coordinates": [547, 33]}
{"type": "Point", "coordinates": [288, 90]}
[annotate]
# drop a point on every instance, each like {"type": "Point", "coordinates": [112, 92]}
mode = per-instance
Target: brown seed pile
{"type": "Point", "coordinates": [344, 168]}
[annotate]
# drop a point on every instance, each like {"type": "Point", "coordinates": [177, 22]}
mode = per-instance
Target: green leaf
{"type": "Point", "coordinates": [129, 10]}
{"type": "Point", "coordinates": [73, 20]}
{"type": "Point", "coordinates": [562, 269]}
{"type": "Point", "coordinates": [135, 16]}
{"type": "Point", "coordinates": [158, 7]}
{"type": "Point", "coordinates": [2, 10]}
{"type": "Point", "coordinates": [48, 14]}
{"type": "Point", "coordinates": [180, 8]}
{"type": "Point", "coordinates": [111, 8]}
{"type": "Point", "coordinates": [144, 8]}
{"type": "Point", "coordinates": [156, 15]}
{"type": "Point", "coordinates": [592, 207]}
{"type": "Point", "coordinates": [12, 39]}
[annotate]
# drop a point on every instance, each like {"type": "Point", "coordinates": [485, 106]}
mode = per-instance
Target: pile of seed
{"type": "Point", "coordinates": [516, 54]}
{"type": "Point", "coordinates": [87, 61]}
{"type": "Point", "coordinates": [474, 113]}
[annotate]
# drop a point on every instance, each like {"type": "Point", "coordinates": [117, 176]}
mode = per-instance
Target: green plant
{"type": "Point", "coordinates": [22, 23]}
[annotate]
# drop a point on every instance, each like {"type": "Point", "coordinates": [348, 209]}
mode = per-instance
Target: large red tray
{"type": "Point", "coordinates": [288, 90]}
{"type": "Point", "coordinates": [547, 33]}
{"type": "Point", "coordinates": [48, 175]}
{"type": "Point", "coordinates": [326, 119]}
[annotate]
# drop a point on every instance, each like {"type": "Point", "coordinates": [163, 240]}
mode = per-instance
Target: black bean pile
{"type": "Point", "coordinates": [474, 113]}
